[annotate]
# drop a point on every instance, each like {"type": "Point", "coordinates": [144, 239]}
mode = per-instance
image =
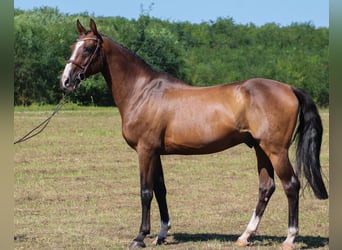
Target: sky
{"type": "Point", "coordinates": [259, 12]}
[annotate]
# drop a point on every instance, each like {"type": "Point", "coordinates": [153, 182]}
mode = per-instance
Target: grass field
{"type": "Point", "coordinates": [77, 187]}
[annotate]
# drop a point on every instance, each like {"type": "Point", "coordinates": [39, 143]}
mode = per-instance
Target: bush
{"type": "Point", "coordinates": [200, 54]}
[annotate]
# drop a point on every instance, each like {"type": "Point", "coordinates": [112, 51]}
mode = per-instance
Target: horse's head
{"type": "Point", "coordinates": [85, 59]}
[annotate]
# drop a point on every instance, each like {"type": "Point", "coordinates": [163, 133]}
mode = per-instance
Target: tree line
{"type": "Point", "coordinates": [203, 54]}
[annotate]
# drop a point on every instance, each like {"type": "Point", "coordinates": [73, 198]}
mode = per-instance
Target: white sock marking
{"type": "Point", "coordinates": [251, 228]}
{"type": "Point", "coordinates": [164, 228]}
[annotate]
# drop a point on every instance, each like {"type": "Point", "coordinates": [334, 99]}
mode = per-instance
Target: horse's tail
{"type": "Point", "coordinates": [309, 139]}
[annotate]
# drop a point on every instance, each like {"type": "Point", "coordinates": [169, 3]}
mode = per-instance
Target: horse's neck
{"type": "Point", "coordinates": [125, 74]}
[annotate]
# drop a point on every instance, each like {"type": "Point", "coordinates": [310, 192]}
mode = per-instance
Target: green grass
{"type": "Point", "coordinates": [77, 187]}
{"type": "Point", "coordinates": [67, 106]}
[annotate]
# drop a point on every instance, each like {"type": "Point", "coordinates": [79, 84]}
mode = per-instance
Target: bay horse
{"type": "Point", "coordinates": [162, 115]}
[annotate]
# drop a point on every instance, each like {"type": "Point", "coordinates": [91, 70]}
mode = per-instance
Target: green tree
{"type": "Point", "coordinates": [202, 54]}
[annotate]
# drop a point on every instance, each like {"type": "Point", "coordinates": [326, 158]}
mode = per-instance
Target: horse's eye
{"type": "Point", "coordinates": [88, 49]}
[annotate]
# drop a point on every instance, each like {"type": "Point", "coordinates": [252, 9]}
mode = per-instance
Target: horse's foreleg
{"type": "Point", "coordinates": [266, 189]}
{"type": "Point", "coordinates": [147, 164]}
{"type": "Point", "coordinates": [160, 193]}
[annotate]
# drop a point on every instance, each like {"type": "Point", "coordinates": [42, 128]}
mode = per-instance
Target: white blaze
{"type": "Point", "coordinates": [68, 66]}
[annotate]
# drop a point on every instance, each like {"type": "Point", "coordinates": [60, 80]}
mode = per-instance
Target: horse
{"type": "Point", "coordinates": [162, 115]}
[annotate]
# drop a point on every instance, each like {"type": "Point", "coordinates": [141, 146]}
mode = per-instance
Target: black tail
{"type": "Point", "coordinates": [309, 139]}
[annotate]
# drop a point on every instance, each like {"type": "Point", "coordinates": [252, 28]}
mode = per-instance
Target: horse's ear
{"type": "Point", "coordinates": [93, 28]}
{"type": "Point", "coordinates": [80, 28]}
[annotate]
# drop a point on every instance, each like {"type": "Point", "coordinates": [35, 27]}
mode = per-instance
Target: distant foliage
{"type": "Point", "coordinates": [202, 54]}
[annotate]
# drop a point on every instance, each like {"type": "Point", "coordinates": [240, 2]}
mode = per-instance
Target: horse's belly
{"type": "Point", "coordinates": [194, 143]}
{"type": "Point", "coordinates": [203, 127]}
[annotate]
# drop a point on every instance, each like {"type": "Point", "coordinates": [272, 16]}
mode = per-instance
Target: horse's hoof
{"type": "Point", "coordinates": [137, 244]}
{"type": "Point", "coordinates": [242, 243]}
{"type": "Point", "coordinates": [287, 246]}
{"type": "Point", "coordinates": [157, 241]}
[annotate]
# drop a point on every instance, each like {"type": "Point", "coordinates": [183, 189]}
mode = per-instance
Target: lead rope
{"type": "Point", "coordinates": [38, 129]}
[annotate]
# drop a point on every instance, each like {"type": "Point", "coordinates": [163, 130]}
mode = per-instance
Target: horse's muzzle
{"type": "Point", "coordinates": [71, 83]}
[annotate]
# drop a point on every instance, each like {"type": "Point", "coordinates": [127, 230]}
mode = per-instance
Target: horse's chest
{"type": "Point", "coordinates": [141, 133]}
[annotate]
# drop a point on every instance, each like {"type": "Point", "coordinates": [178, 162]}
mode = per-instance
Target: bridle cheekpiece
{"type": "Point", "coordinates": [81, 76]}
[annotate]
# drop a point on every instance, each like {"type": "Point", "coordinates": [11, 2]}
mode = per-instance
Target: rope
{"type": "Point", "coordinates": [38, 129]}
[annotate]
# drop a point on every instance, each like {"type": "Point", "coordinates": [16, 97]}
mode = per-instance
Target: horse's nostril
{"type": "Point", "coordinates": [65, 83]}
{"type": "Point", "coordinates": [81, 76]}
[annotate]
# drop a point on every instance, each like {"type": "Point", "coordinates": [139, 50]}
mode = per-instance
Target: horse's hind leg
{"type": "Point", "coordinates": [291, 185]}
{"type": "Point", "coordinates": [266, 189]}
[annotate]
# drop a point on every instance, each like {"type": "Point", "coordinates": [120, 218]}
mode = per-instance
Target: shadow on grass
{"type": "Point", "coordinates": [306, 242]}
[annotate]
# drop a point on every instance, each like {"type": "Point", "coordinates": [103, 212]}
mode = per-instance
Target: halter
{"type": "Point", "coordinates": [84, 68]}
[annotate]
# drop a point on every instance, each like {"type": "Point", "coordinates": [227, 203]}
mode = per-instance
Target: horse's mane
{"type": "Point", "coordinates": [125, 49]}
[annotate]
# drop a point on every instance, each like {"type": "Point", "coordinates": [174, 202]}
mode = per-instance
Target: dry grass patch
{"type": "Point", "coordinates": [77, 187]}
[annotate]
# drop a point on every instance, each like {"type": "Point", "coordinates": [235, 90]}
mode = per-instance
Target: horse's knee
{"type": "Point", "coordinates": [146, 196]}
